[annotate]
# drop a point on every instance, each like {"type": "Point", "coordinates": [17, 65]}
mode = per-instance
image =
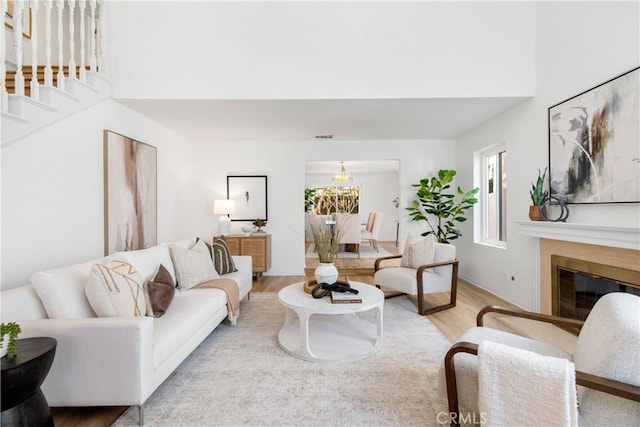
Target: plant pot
{"type": "Point", "coordinates": [326, 272]}
{"type": "Point", "coordinates": [4, 345]}
{"type": "Point", "coordinates": [535, 213]}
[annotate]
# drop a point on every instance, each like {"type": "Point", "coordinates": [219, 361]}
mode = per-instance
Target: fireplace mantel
{"type": "Point", "coordinates": [603, 235]}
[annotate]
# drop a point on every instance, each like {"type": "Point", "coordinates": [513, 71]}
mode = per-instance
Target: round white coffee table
{"type": "Point", "coordinates": [329, 332]}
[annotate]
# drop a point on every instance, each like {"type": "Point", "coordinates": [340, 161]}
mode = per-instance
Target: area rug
{"type": "Point", "coordinates": [366, 251]}
{"type": "Point", "coordinates": [239, 376]}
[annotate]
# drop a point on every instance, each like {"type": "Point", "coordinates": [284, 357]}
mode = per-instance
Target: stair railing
{"type": "Point", "coordinates": [90, 38]}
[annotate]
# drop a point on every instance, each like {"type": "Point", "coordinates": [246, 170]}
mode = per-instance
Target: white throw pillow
{"type": "Point", "coordinates": [193, 266]}
{"type": "Point", "coordinates": [62, 290]}
{"type": "Point", "coordinates": [116, 290]}
{"type": "Point", "coordinates": [419, 251]}
{"type": "Point", "coordinates": [146, 261]}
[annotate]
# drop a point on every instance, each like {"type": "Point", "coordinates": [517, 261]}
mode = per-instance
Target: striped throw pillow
{"type": "Point", "coordinates": [222, 260]}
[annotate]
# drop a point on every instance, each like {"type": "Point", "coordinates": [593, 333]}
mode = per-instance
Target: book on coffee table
{"type": "Point", "coordinates": [344, 298]}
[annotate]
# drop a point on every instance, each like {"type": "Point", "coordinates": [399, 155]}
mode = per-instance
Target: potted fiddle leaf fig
{"type": "Point", "coordinates": [537, 211]}
{"type": "Point", "coordinates": [437, 205]}
{"type": "Point", "coordinates": [8, 334]}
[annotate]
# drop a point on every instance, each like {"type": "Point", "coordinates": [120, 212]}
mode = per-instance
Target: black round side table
{"type": "Point", "coordinates": [23, 403]}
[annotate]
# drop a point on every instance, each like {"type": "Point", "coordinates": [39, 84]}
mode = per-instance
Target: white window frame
{"type": "Point", "coordinates": [481, 214]}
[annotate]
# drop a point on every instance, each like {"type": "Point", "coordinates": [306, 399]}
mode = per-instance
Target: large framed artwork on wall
{"type": "Point", "coordinates": [130, 194]}
{"type": "Point", "coordinates": [249, 193]}
{"type": "Point", "coordinates": [594, 143]}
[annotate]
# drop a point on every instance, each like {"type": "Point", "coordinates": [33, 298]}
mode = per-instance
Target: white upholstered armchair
{"type": "Point", "coordinates": [428, 273]}
{"type": "Point", "coordinates": [606, 358]}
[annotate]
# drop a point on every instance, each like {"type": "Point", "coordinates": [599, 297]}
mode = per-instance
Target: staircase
{"type": "Point", "coordinates": [26, 114]}
{"type": "Point", "coordinates": [28, 104]}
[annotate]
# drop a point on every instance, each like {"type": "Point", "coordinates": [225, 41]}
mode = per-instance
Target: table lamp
{"type": "Point", "coordinates": [224, 208]}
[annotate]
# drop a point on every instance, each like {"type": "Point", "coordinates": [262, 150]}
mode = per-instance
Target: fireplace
{"type": "Point", "coordinates": [577, 284]}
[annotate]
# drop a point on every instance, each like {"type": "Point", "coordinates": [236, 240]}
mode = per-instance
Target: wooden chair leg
{"type": "Point", "coordinates": [452, 296]}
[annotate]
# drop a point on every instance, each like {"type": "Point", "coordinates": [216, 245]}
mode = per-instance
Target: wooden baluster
{"type": "Point", "coordinates": [83, 35]}
{"type": "Point", "coordinates": [72, 41]}
{"type": "Point", "coordinates": [92, 41]}
{"type": "Point", "coordinates": [18, 9]}
{"type": "Point", "coordinates": [4, 98]}
{"type": "Point", "coordinates": [48, 71]}
{"type": "Point", "coordinates": [34, 85]}
{"type": "Point", "coordinates": [102, 38]}
{"type": "Point", "coordinates": [60, 79]}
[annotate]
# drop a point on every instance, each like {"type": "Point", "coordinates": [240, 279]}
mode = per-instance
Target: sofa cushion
{"type": "Point", "coordinates": [146, 261]}
{"type": "Point", "coordinates": [187, 316]}
{"type": "Point", "coordinates": [61, 290]}
{"type": "Point", "coordinates": [159, 290]}
{"type": "Point", "coordinates": [418, 251]}
{"type": "Point", "coordinates": [116, 290]}
{"type": "Point", "coordinates": [193, 266]}
{"type": "Point", "coordinates": [222, 260]}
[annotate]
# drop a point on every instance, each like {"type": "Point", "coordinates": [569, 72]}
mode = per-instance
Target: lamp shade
{"type": "Point", "coordinates": [223, 207]}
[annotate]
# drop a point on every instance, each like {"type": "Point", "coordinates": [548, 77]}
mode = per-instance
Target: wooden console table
{"type": "Point", "coordinates": [257, 245]}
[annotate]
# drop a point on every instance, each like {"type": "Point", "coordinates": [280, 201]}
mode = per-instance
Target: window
{"type": "Point", "coordinates": [333, 199]}
{"type": "Point", "coordinates": [491, 176]}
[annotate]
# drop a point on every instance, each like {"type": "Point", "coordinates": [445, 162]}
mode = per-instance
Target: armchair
{"type": "Point", "coordinates": [606, 359]}
{"type": "Point", "coordinates": [439, 276]}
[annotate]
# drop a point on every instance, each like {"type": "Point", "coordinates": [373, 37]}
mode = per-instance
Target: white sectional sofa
{"type": "Point", "coordinates": [115, 361]}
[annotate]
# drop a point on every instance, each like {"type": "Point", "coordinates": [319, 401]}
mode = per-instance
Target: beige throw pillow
{"type": "Point", "coordinates": [115, 290]}
{"type": "Point", "coordinates": [193, 266]}
{"type": "Point", "coordinates": [418, 251]}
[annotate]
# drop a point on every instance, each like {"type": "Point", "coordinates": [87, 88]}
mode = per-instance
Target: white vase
{"type": "Point", "coordinates": [326, 272]}
{"type": "Point", "coordinates": [4, 345]}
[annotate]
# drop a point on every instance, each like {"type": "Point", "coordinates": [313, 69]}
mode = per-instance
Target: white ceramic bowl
{"type": "Point", "coordinates": [247, 230]}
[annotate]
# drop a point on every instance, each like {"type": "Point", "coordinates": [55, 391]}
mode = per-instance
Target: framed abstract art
{"type": "Point", "coordinates": [249, 192]}
{"type": "Point", "coordinates": [130, 194]}
{"type": "Point", "coordinates": [594, 143]}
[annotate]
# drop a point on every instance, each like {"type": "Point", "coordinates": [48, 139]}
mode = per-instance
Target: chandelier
{"type": "Point", "coordinates": [342, 176]}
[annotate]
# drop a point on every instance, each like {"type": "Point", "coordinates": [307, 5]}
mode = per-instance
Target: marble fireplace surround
{"type": "Point", "coordinates": [615, 246]}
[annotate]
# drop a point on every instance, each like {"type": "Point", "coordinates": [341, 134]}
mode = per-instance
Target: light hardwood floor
{"type": "Point", "coordinates": [452, 323]}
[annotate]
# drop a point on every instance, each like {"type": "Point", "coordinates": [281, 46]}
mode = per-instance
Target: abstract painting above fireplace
{"type": "Point", "coordinates": [594, 140]}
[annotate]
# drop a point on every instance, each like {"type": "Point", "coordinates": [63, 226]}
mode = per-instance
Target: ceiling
{"type": "Point", "coordinates": [353, 167]}
{"type": "Point", "coordinates": [352, 119]}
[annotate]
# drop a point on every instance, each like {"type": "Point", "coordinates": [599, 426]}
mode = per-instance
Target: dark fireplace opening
{"type": "Point", "coordinates": [578, 284]}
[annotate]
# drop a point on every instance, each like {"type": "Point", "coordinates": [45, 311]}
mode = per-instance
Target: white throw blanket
{"type": "Point", "coordinates": [519, 387]}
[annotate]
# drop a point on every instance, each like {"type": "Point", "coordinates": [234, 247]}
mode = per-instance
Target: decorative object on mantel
{"type": "Point", "coordinates": [538, 211]}
{"type": "Point", "coordinates": [593, 143]}
{"type": "Point", "coordinates": [247, 230]}
{"type": "Point", "coordinates": [434, 199]}
{"type": "Point", "coordinates": [259, 223]}
{"type": "Point", "coordinates": [9, 333]}
{"type": "Point", "coordinates": [564, 209]}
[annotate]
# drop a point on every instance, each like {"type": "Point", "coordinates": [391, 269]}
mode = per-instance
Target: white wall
{"type": "Point", "coordinates": [53, 196]}
{"type": "Point", "coordinates": [321, 50]}
{"type": "Point", "coordinates": [284, 165]}
{"type": "Point", "coordinates": [578, 45]}
{"type": "Point", "coordinates": [377, 191]}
